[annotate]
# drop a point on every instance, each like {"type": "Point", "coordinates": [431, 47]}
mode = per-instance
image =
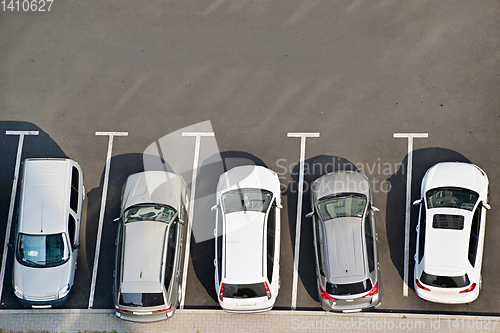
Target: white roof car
{"type": "Point", "coordinates": [248, 239]}
{"type": "Point", "coordinates": [48, 231]}
{"type": "Point", "coordinates": [450, 233]}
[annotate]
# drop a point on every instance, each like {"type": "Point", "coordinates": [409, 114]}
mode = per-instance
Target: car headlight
{"type": "Point", "coordinates": [64, 291]}
{"type": "Point", "coordinates": [18, 292]}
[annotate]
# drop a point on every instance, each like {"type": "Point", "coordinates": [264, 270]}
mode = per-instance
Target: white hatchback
{"type": "Point", "coordinates": [450, 233]}
{"type": "Point", "coordinates": [247, 232]}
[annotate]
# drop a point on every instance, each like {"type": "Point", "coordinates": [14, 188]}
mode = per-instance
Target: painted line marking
{"type": "Point", "coordinates": [101, 213]}
{"type": "Point", "coordinates": [300, 189]}
{"type": "Point", "coordinates": [21, 134]}
{"type": "Point", "coordinates": [198, 136]}
{"type": "Point", "coordinates": [409, 171]}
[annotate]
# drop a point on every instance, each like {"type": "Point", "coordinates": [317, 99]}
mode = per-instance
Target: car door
{"type": "Point", "coordinates": [118, 261]}
{"type": "Point", "coordinates": [218, 234]}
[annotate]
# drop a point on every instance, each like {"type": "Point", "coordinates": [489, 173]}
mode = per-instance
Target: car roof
{"type": "Point", "coordinates": [248, 176]}
{"type": "Point", "coordinates": [144, 244]}
{"type": "Point", "coordinates": [342, 182]}
{"type": "Point", "coordinates": [453, 174]}
{"type": "Point", "coordinates": [244, 246]}
{"type": "Point", "coordinates": [158, 187]}
{"type": "Point", "coordinates": [346, 253]}
{"type": "Point", "coordinates": [45, 198]}
{"type": "Point", "coordinates": [446, 250]}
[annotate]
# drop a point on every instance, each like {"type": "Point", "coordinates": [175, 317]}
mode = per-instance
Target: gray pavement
{"type": "Point", "coordinates": [198, 321]}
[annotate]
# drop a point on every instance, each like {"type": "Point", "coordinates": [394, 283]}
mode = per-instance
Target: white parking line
{"type": "Point", "coordinates": [12, 200]}
{"type": "Point", "coordinates": [198, 136]}
{"type": "Point", "coordinates": [300, 190]}
{"type": "Point", "coordinates": [101, 213]}
{"type": "Point", "coordinates": [409, 166]}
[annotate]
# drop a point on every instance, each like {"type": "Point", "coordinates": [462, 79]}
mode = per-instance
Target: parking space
{"type": "Point", "coordinates": [354, 72]}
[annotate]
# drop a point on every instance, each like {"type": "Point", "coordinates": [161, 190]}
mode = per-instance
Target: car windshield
{"type": "Point", "coordinates": [149, 213]}
{"type": "Point", "coordinates": [141, 299]}
{"type": "Point", "coordinates": [42, 250]}
{"type": "Point", "coordinates": [244, 290]}
{"type": "Point", "coordinates": [351, 205]}
{"type": "Point", "coordinates": [445, 281]}
{"type": "Point", "coordinates": [254, 200]}
{"type": "Point", "coordinates": [451, 197]}
{"type": "Point", "coordinates": [349, 288]}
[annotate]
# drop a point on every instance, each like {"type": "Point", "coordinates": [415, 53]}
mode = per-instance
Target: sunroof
{"type": "Point", "coordinates": [445, 221]}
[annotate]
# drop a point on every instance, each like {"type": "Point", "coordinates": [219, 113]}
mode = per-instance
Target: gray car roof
{"type": "Point", "coordinates": [344, 243]}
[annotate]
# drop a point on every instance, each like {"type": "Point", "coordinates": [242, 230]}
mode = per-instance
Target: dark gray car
{"type": "Point", "coordinates": [345, 241]}
{"type": "Point", "coordinates": [149, 246]}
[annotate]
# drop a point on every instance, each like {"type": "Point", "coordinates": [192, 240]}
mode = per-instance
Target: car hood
{"type": "Point", "coordinates": [39, 282]}
{"type": "Point", "coordinates": [249, 176]}
{"type": "Point", "coordinates": [464, 175]}
{"type": "Point", "coordinates": [341, 182]}
{"type": "Point", "coordinates": [153, 187]}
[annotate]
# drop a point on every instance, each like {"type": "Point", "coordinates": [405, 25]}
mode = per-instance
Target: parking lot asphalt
{"type": "Point", "coordinates": [355, 72]}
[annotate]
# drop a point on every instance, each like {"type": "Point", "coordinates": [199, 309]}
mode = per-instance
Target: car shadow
{"type": "Point", "coordinates": [202, 252]}
{"type": "Point", "coordinates": [314, 168]}
{"type": "Point", "coordinates": [39, 146]}
{"type": "Point", "coordinates": [423, 159]}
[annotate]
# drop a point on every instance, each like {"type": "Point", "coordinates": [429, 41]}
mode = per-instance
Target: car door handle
{"type": "Point", "coordinates": [215, 262]}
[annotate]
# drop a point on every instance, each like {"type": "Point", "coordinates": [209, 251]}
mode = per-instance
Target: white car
{"type": "Point", "coordinates": [247, 232]}
{"type": "Point", "coordinates": [450, 233]}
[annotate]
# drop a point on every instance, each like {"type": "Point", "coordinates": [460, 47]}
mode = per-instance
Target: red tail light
{"type": "Point", "coordinates": [167, 309]}
{"type": "Point", "coordinates": [421, 286]}
{"type": "Point", "coordinates": [373, 291]}
{"type": "Point", "coordinates": [268, 292]}
{"type": "Point", "coordinates": [221, 291]}
{"type": "Point", "coordinates": [326, 295]}
{"type": "Point", "coordinates": [120, 310]}
{"type": "Point", "coordinates": [468, 290]}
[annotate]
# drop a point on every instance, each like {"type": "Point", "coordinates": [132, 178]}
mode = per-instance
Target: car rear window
{"type": "Point", "coordinates": [445, 281]}
{"type": "Point", "coordinates": [141, 299]}
{"type": "Point", "coordinates": [244, 290]}
{"type": "Point", "coordinates": [445, 221]}
{"type": "Point", "coordinates": [349, 288]}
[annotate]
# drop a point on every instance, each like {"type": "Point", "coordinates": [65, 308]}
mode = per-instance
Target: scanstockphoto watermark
{"type": "Point", "coordinates": [317, 169]}
{"type": "Point", "coordinates": [384, 324]}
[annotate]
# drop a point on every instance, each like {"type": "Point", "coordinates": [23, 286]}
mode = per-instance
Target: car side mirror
{"type": "Point", "coordinates": [118, 219]}
{"type": "Point", "coordinates": [181, 221]}
{"type": "Point", "coordinates": [279, 206]}
{"type": "Point", "coordinates": [310, 214]}
{"type": "Point", "coordinates": [214, 208]}
{"type": "Point", "coordinates": [375, 209]}
{"type": "Point", "coordinates": [485, 205]}
{"type": "Point", "coordinates": [76, 246]}
{"type": "Point", "coordinates": [417, 202]}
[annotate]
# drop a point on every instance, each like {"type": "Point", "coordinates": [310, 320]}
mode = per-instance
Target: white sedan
{"type": "Point", "coordinates": [247, 232]}
{"type": "Point", "coordinates": [450, 233]}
